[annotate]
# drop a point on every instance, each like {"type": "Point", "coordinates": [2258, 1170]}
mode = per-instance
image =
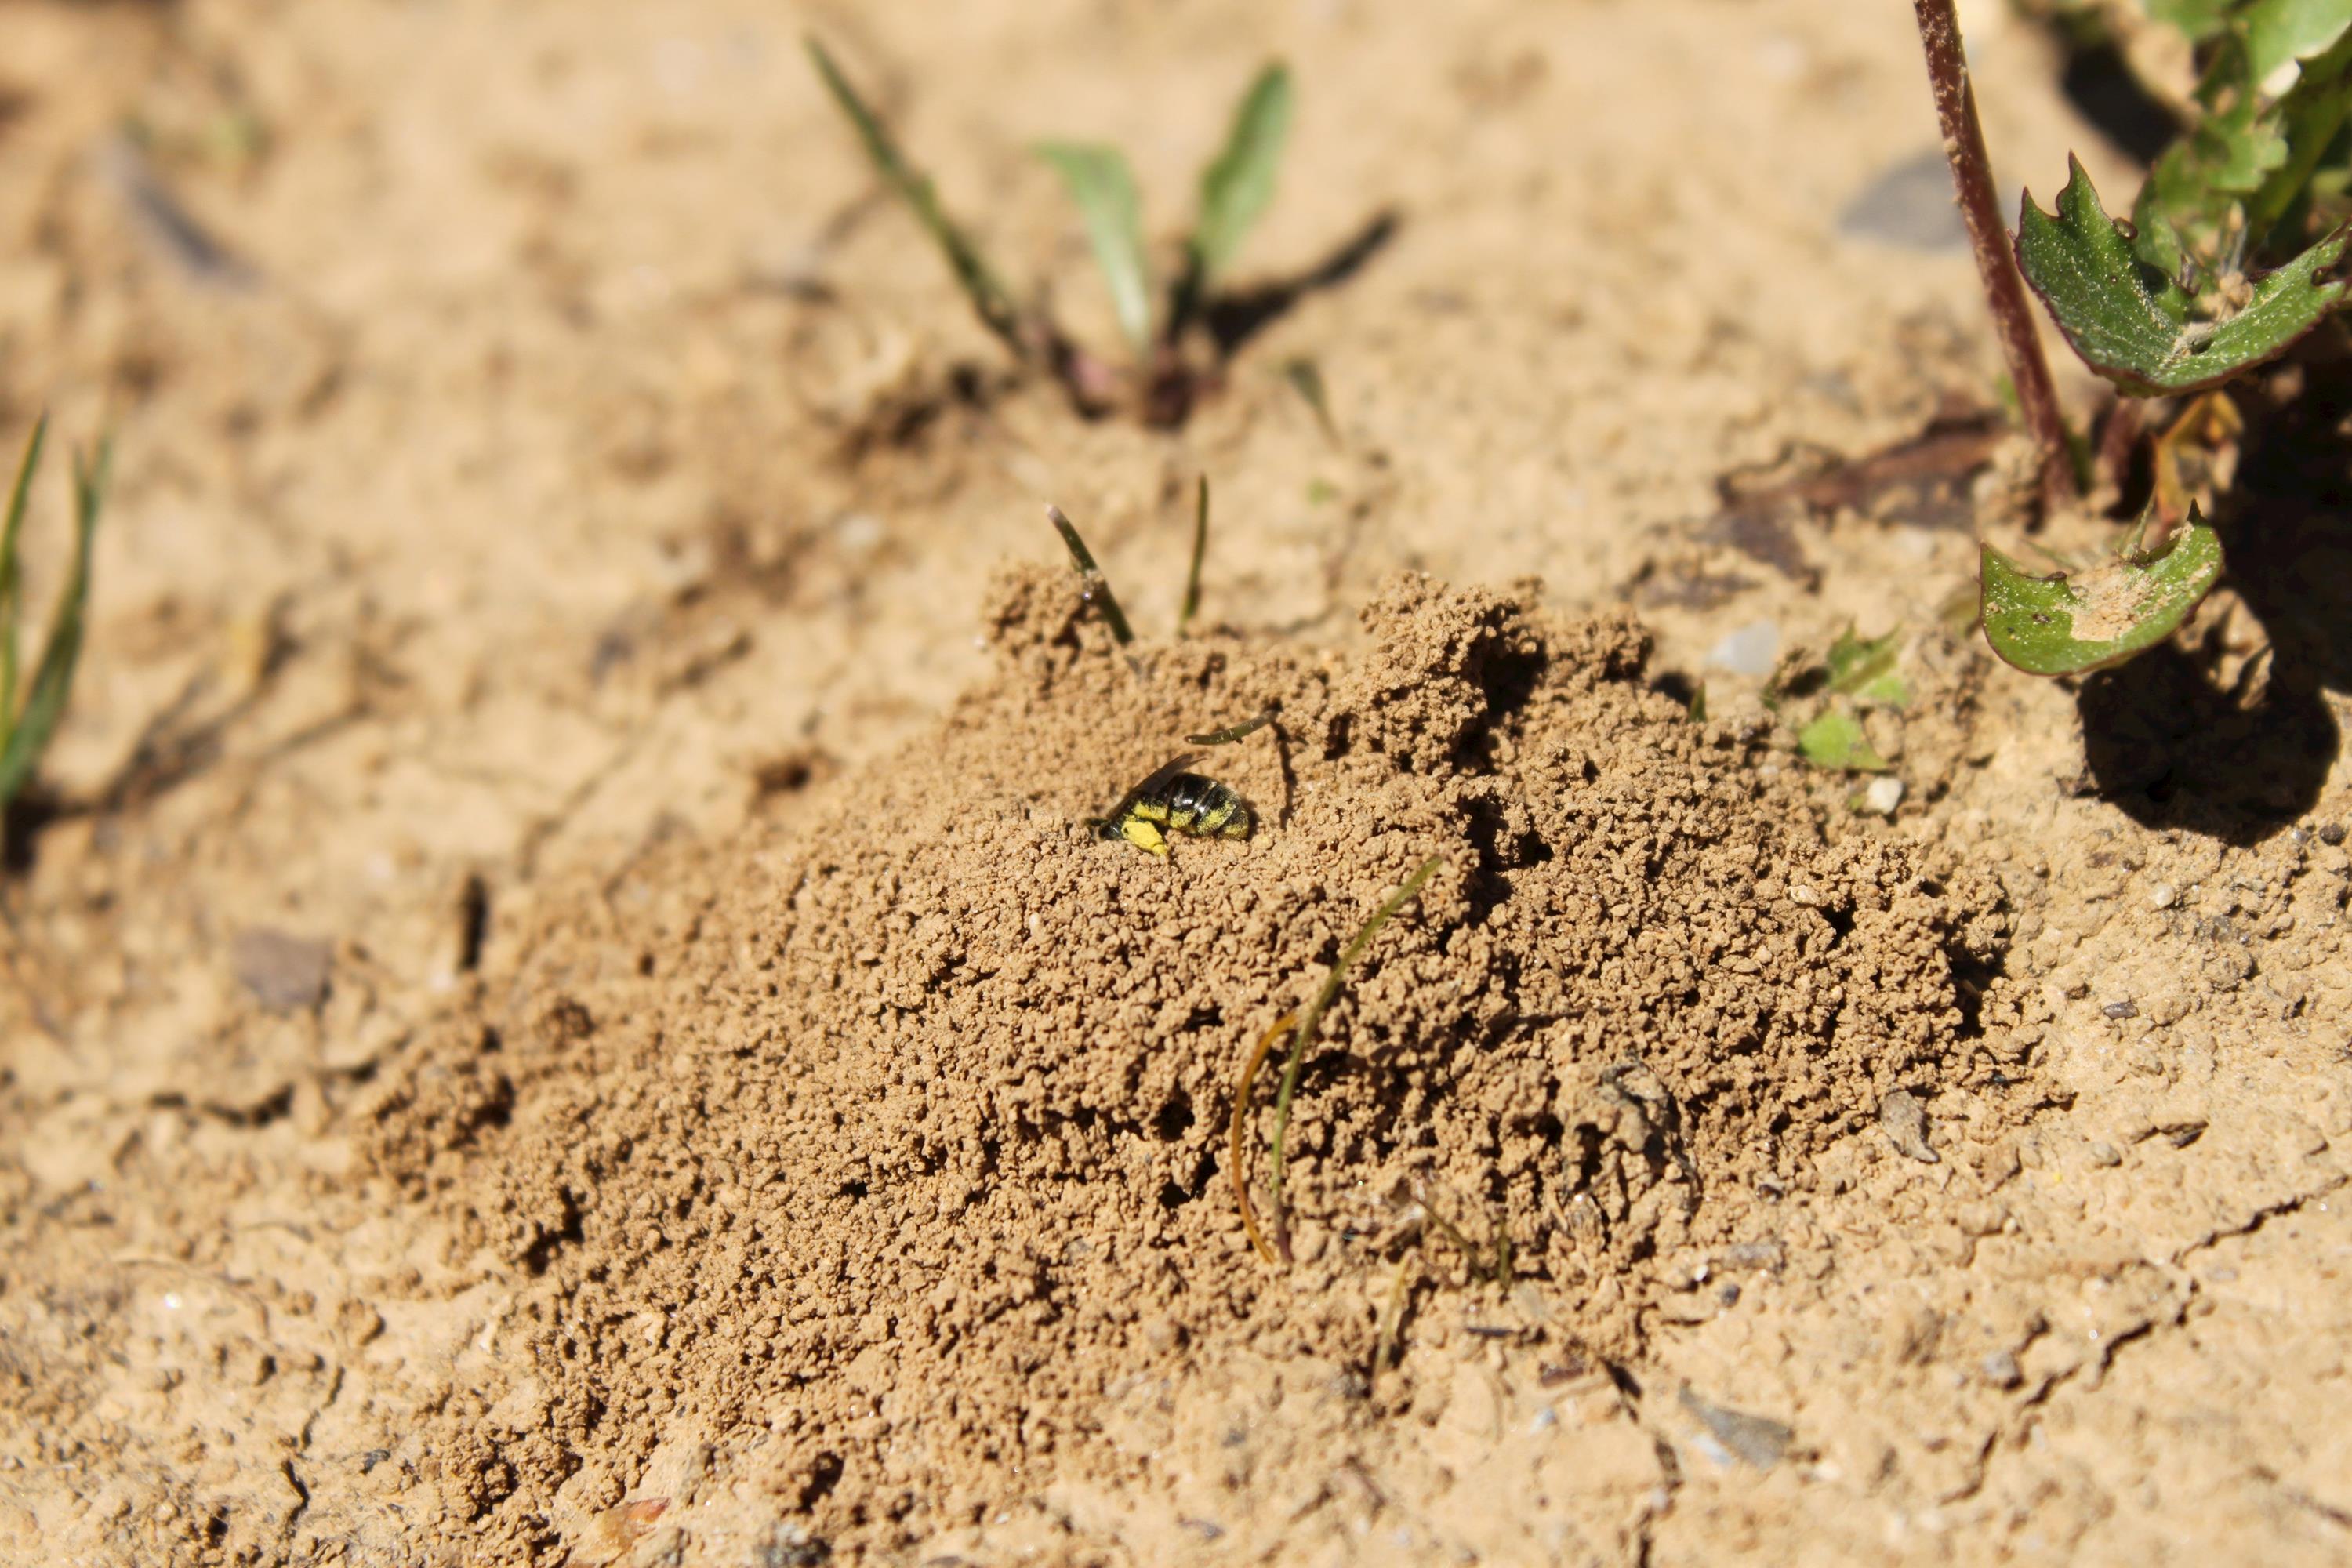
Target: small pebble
{"type": "Point", "coordinates": [285, 974]}
{"type": "Point", "coordinates": [1750, 650]}
{"type": "Point", "coordinates": [1884, 796]}
{"type": "Point", "coordinates": [1904, 1121]}
{"type": "Point", "coordinates": [2104, 1153]}
{"type": "Point", "coordinates": [1758, 1439]}
{"type": "Point", "coordinates": [2331, 834]}
{"type": "Point", "coordinates": [2000, 1370]}
{"type": "Point", "coordinates": [2127, 1008]}
{"type": "Point", "coordinates": [2163, 896]}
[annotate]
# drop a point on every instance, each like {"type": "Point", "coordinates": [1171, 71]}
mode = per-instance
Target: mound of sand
{"type": "Point", "coordinates": [879, 1162]}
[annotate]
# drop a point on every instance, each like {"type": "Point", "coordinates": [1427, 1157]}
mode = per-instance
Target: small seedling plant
{"type": "Point", "coordinates": [1826, 701]}
{"type": "Point", "coordinates": [2232, 253]}
{"type": "Point", "coordinates": [1164, 372]}
{"type": "Point", "coordinates": [26, 724]}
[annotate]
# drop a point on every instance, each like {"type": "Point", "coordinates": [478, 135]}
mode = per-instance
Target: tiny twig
{"type": "Point", "coordinates": [2012, 313]}
{"type": "Point", "coordinates": [1392, 1314]}
{"type": "Point", "coordinates": [1097, 590]}
{"type": "Point", "coordinates": [1240, 1115]}
{"type": "Point", "coordinates": [1199, 549]}
{"type": "Point", "coordinates": [1307, 1019]}
{"type": "Point", "coordinates": [1474, 1256]}
{"type": "Point", "coordinates": [1452, 1233]}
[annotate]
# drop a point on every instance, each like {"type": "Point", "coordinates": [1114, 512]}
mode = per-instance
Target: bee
{"type": "Point", "coordinates": [1172, 800]}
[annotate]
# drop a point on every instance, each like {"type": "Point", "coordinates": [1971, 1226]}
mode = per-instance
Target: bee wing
{"type": "Point", "coordinates": [1157, 777]}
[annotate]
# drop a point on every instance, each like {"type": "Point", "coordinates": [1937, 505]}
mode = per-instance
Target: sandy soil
{"type": "Point", "coordinates": [560, 1006]}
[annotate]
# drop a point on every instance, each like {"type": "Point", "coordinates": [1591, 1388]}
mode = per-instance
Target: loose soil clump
{"type": "Point", "coordinates": [884, 1160]}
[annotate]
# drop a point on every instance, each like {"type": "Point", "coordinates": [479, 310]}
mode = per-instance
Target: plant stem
{"type": "Point", "coordinates": [2012, 313]}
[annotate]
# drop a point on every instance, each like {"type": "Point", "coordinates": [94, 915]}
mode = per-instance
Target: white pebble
{"type": "Point", "coordinates": [1750, 650]}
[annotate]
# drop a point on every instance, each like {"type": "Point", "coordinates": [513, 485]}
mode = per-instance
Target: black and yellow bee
{"type": "Point", "coordinates": [1172, 800]}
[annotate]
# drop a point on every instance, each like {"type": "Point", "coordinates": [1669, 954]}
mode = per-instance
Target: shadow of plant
{"type": "Point", "coordinates": [2165, 737]}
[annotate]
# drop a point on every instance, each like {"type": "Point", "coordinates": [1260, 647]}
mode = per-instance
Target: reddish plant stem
{"type": "Point", "coordinates": [2012, 313]}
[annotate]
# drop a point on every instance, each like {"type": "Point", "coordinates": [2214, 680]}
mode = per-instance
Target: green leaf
{"type": "Point", "coordinates": [989, 300]}
{"type": "Point", "coordinates": [1835, 741]}
{"type": "Point", "coordinates": [2309, 119]}
{"type": "Point", "coordinates": [1867, 669]}
{"type": "Point", "coordinates": [45, 699]}
{"type": "Point", "coordinates": [1236, 187]}
{"type": "Point", "coordinates": [2139, 328]}
{"type": "Point", "coordinates": [2274, 96]}
{"type": "Point", "coordinates": [1100, 183]}
{"type": "Point", "coordinates": [2201, 19]}
{"type": "Point", "coordinates": [2279, 32]}
{"type": "Point", "coordinates": [12, 584]}
{"type": "Point", "coordinates": [2063, 623]}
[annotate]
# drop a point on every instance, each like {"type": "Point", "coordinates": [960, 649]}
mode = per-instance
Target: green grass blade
{"type": "Point", "coordinates": [1097, 589]}
{"type": "Point", "coordinates": [1304, 1033]}
{"type": "Point", "coordinates": [45, 700]}
{"type": "Point", "coordinates": [1306, 378]}
{"type": "Point", "coordinates": [1102, 186]}
{"type": "Point", "coordinates": [990, 300]}
{"type": "Point", "coordinates": [12, 586]}
{"type": "Point", "coordinates": [1233, 733]}
{"type": "Point", "coordinates": [1237, 186]}
{"type": "Point", "coordinates": [1200, 551]}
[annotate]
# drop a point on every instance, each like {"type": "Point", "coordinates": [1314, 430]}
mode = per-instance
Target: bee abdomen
{"type": "Point", "coordinates": [1202, 808]}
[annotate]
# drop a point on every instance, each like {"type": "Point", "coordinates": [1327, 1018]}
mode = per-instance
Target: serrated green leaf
{"type": "Point", "coordinates": [2067, 623]}
{"type": "Point", "coordinates": [1236, 186]}
{"type": "Point", "coordinates": [1835, 741]}
{"type": "Point", "coordinates": [45, 698]}
{"type": "Point", "coordinates": [2140, 329]}
{"type": "Point", "coordinates": [988, 298]}
{"type": "Point", "coordinates": [1101, 185]}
